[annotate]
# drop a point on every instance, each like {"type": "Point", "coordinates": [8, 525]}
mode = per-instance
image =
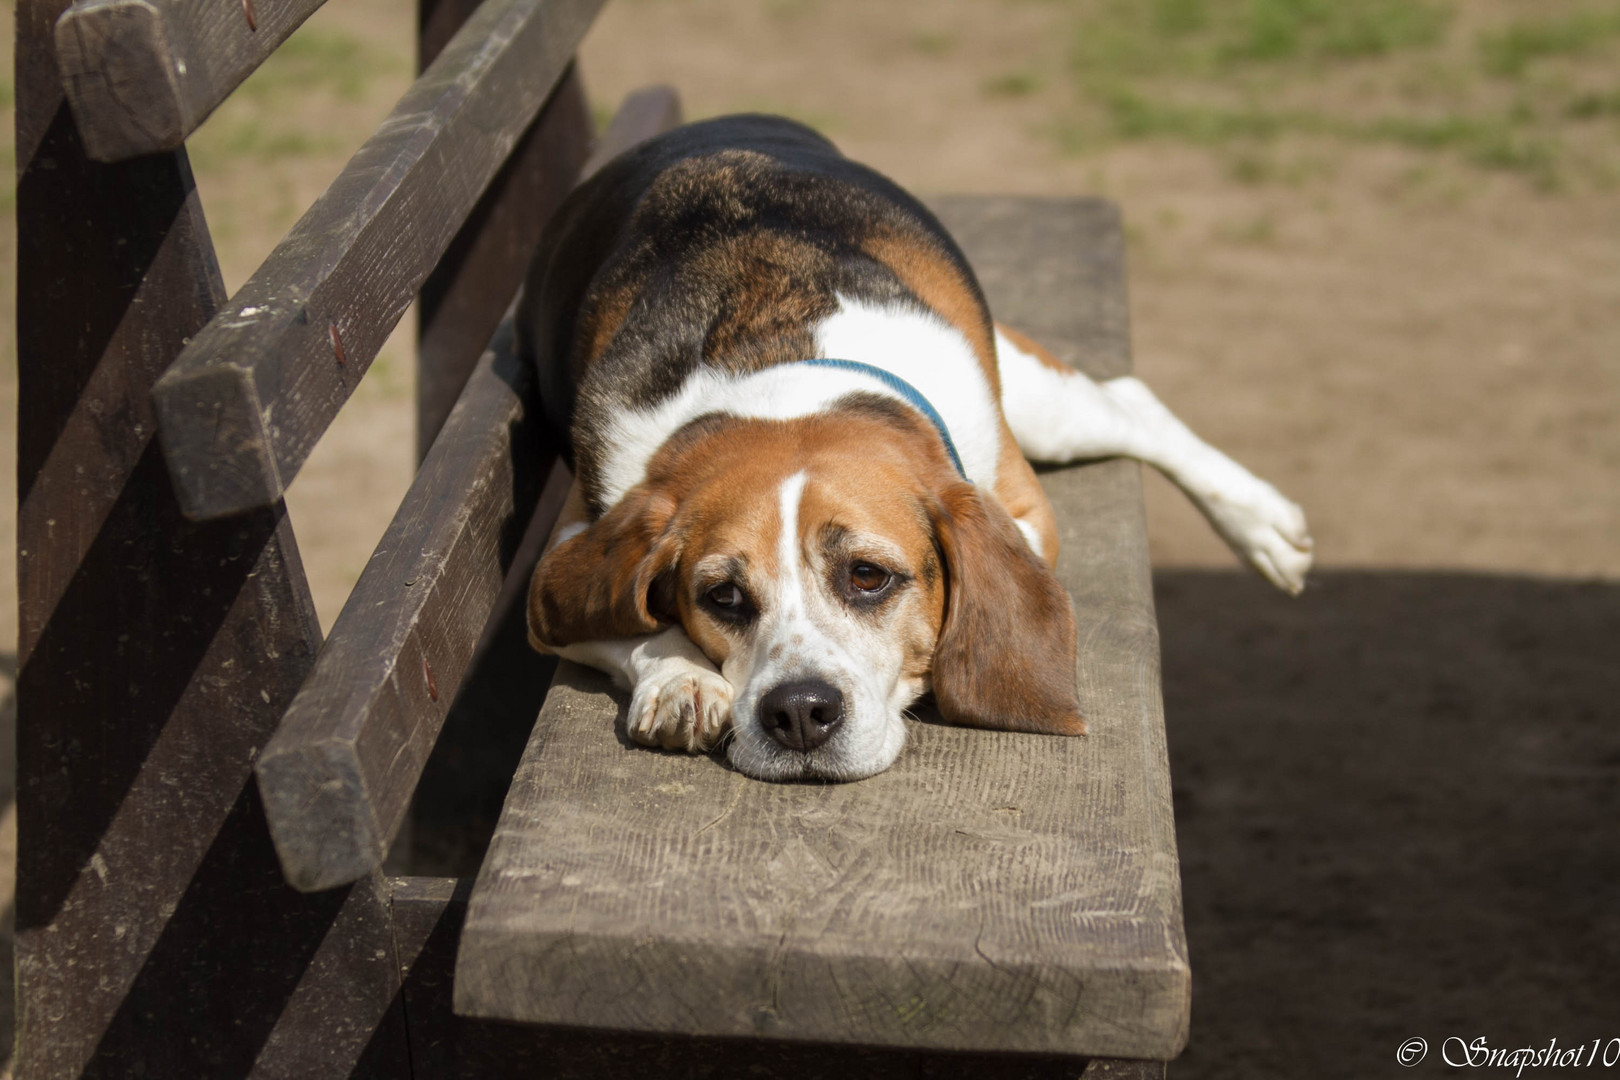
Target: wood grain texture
{"type": "Point", "coordinates": [458, 798]}
{"type": "Point", "coordinates": [246, 401]}
{"type": "Point", "coordinates": [464, 298]}
{"type": "Point", "coordinates": [339, 775]}
{"type": "Point", "coordinates": [991, 891]}
{"type": "Point", "coordinates": [154, 934]}
{"type": "Point", "coordinates": [142, 75]}
{"type": "Point", "coordinates": [428, 914]}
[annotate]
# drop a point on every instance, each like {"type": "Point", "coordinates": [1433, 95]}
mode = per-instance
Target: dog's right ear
{"type": "Point", "coordinates": [610, 581]}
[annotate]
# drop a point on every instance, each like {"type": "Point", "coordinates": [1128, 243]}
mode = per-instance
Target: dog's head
{"type": "Point", "coordinates": [835, 568]}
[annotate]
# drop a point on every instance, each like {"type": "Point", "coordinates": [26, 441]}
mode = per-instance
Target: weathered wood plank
{"type": "Point", "coordinates": [142, 75]}
{"type": "Point", "coordinates": [246, 401]}
{"type": "Point", "coordinates": [464, 298]}
{"type": "Point", "coordinates": [155, 936]}
{"type": "Point", "coordinates": [428, 915]}
{"type": "Point", "coordinates": [991, 891]}
{"type": "Point", "coordinates": [338, 775]}
{"type": "Point", "coordinates": [458, 798]}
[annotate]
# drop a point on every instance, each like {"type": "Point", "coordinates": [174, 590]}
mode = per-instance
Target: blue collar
{"type": "Point", "coordinates": [911, 394]}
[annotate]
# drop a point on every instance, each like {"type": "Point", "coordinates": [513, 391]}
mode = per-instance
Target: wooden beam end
{"type": "Point", "coordinates": [217, 442]}
{"type": "Point", "coordinates": [321, 822]}
{"type": "Point", "coordinates": [121, 78]}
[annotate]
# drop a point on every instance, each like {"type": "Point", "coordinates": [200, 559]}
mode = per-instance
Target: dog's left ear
{"type": "Point", "coordinates": [1006, 652]}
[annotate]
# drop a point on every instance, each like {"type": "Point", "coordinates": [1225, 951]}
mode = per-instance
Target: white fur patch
{"type": "Point", "coordinates": [917, 346]}
{"type": "Point", "coordinates": [777, 393]}
{"type": "Point", "coordinates": [1065, 416]}
{"type": "Point", "coordinates": [931, 355]}
{"type": "Point", "coordinates": [805, 633]}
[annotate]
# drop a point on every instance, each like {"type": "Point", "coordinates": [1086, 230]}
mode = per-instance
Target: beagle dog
{"type": "Point", "coordinates": [801, 499]}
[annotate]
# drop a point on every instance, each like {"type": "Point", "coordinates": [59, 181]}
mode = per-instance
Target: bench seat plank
{"type": "Point", "coordinates": [991, 891]}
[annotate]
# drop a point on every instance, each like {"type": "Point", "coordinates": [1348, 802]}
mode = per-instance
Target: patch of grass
{"type": "Point", "coordinates": [1013, 84]}
{"type": "Point", "coordinates": [1506, 53]}
{"type": "Point", "coordinates": [788, 10]}
{"type": "Point", "coordinates": [1136, 116]}
{"type": "Point", "coordinates": [1236, 75]}
{"type": "Point", "coordinates": [1338, 29]}
{"type": "Point", "coordinates": [251, 138]}
{"type": "Point", "coordinates": [933, 42]}
{"type": "Point", "coordinates": [1592, 106]}
{"type": "Point", "coordinates": [318, 59]}
{"type": "Point", "coordinates": [1260, 229]}
{"type": "Point", "coordinates": [1201, 37]}
{"type": "Point", "coordinates": [1489, 142]}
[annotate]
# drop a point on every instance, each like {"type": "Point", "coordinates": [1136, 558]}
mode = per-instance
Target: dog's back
{"type": "Point", "coordinates": [722, 244]}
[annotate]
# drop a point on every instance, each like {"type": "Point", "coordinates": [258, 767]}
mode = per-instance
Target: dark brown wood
{"type": "Point", "coordinates": [992, 891]}
{"type": "Point", "coordinates": [244, 404]}
{"type": "Point", "coordinates": [463, 299]}
{"type": "Point", "coordinates": [436, 23]}
{"type": "Point", "coordinates": [155, 935]}
{"type": "Point", "coordinates": [463, 784]}
{"type": "Point", "coordinates": [338, 776]}
{"type": "Point", "coordinates": [428, 915]}
{"type": "Point", "coordinates": [142, 75]}
{"type": "Point", "coordinates": [1117, 1069]}
{"type": "Point", "coordinates": [464, 296]}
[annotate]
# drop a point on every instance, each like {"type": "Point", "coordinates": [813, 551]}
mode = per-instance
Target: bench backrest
{"type": "Point", "coordinates": [165, 623]}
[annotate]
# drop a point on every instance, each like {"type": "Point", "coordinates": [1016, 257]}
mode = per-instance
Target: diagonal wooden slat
{"type": "Point", "coordinates": [243, 405]}
{"type": "Point", "coordinates": [142, 75]}
{"type": "Point", "coordinates": [337, 778]}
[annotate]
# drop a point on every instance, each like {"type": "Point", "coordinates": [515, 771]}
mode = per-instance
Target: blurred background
{"type": "Point", "coordinates": [1375, 255]}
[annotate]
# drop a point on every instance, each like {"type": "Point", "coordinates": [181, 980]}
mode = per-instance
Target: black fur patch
{"type": "Point", "coordinates": [720, 243]}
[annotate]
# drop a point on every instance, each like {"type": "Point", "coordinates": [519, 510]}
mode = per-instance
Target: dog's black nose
{"type": "Point", "coordinates": [801, 715]}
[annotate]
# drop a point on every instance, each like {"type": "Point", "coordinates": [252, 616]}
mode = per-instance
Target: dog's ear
{"type": "Point", "coordinates": [613, 580]}
{"type": "Point", "coordinates": [1006, 652]}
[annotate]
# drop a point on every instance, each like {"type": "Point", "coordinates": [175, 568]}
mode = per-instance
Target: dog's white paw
{"type": "Point", "coordinates": [1263, 527]}
{"type": "Point", "coordinates": [680, 706]}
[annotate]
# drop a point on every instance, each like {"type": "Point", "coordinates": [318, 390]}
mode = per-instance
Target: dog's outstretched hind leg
{"type": "Point", "coordinates": [1058, 414]}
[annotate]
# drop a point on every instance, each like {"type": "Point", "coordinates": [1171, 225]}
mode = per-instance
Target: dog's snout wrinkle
{"type": "Point", "coordinates": [802, 715]}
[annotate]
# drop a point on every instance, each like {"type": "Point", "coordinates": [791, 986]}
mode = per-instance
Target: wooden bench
{"type": "Point", "coordinates": [991, 891]}
{"type": "Point", "coordinates": [170, 655]}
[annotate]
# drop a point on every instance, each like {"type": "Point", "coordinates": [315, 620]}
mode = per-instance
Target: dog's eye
{"type": "Point", "coordinates": [726, 597]}
{"type": "Point", "coordinates": [867, 578]}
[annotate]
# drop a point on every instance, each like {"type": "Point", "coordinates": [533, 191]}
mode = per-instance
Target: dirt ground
{"type": "Point", "coordinates": [1387, 281]}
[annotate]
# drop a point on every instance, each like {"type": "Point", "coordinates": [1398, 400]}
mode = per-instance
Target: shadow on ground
{"type": "Point", "coordinates": [1398, 809]}
{"type": "Point", "coordinates": [1398, 805]}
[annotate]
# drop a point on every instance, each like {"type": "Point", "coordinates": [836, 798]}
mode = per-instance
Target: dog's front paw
{"type": "Point", "coordinates": [1265, 529]}
{"type": "Point", "coordinates": [680, 706]}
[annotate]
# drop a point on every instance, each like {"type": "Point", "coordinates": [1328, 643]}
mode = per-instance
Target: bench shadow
{"type": "Point", "coordinates": [1396, 805]}
{"type": "Point", "coordinates": [1396, 800]}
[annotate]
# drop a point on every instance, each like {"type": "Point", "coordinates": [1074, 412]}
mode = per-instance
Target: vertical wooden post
{"type": "Point", "coordinates": [154, 933]}
{"type": "Point", "coordinates": [462, 302]}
